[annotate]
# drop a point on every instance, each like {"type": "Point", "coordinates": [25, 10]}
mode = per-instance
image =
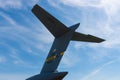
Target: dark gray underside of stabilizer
{"type": "Point", "coordinates": [49, 76]}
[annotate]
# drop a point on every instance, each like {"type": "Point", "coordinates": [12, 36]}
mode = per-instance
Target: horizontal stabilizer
{"type": "Point", "coordinates": [49, 76]}
{"type": "Point", "coordinates": [51, 23]}
{"type": "Point", "coordinates": [86, 38]}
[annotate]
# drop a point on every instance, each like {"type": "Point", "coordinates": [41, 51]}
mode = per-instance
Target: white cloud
{"type": "Point", "coordinates": [2, 59]}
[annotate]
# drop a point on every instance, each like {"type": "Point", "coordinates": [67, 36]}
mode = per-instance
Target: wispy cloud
{"type": "Point", "coordinates": [111, 6]}
{"type": "Point", "coordinates": [8, 19]}
{"type": "Point", "coordinates": [16, 4]}
{"type": "Point", "coordinates": [69, 55]}
{"type": "Point", "coordinates": [80, 2]}
{"type": "Point", "coordinates": [2, 59]}
{"type": "Point", "coordinates": [55, 4]}
{"type": "Point", "coordinates": [96, 71]}
{"type": "Point", "coordinates": [11, 4]}
{"type": "Point", "coordinates": [30, 40]}
{"type": "Point", "coordinates": [18, 33]}
{"type": "Point", "coordinates": [16, 58]}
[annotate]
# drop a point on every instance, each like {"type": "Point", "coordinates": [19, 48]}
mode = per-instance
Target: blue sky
{"type": "Point", "coordinates": [25, 42]}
